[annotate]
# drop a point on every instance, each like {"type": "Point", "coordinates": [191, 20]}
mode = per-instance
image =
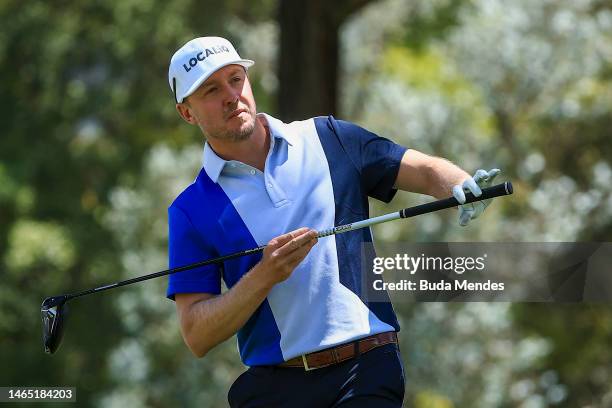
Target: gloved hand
{"type": "Point", "coordinates": [470, 211]}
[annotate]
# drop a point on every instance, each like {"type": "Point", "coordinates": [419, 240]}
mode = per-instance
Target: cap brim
{"type": "Point", "coordinates": [244, 62]}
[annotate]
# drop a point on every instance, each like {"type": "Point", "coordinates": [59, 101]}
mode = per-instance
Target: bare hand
{"type": "Point", "coordinates": [284, 253]}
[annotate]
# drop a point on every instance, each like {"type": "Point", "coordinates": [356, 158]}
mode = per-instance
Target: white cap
{"type": "Point", "coordinates": [197, 60]}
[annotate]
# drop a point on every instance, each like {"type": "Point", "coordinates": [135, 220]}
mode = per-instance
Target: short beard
{"type": "Point", "coordinates": [239, 135]}
{"type": "Point", "coordinates": [244, 133]}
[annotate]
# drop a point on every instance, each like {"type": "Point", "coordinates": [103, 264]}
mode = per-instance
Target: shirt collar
{"type": "Point", "coordinates": [278, 129]}
{"type": "Point", "coordinates": [214, 165]}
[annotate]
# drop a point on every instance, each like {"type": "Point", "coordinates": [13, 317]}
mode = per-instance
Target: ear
{"type": "Point", "coordinates": [185, 112]}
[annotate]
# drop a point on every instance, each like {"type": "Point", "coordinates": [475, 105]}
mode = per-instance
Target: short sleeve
{"type": "Point", "coordinates": [376, 158]}
{"type": "Point", "coordinates": [186, 246]}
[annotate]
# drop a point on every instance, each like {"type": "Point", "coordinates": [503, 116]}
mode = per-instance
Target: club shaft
{"type": "Point", "coordinates": [487, 193]}
{"type": "Point", "coordinates": [169, 271]}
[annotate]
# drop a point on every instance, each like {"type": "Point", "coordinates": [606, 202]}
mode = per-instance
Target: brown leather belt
{"type": "Point", "coordinates": [340, 353]}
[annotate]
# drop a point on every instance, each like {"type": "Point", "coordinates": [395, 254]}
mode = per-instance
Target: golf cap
{"type": "Point", "coordinates": [197, 60]}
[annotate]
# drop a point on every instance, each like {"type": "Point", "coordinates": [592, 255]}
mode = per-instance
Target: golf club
{"type": "Point", "coordinates": [54, 308]}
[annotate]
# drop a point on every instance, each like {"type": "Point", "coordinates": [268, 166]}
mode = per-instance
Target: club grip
{"type": "Point", "coordinates": [491, 192]}
{"type": "Point", "coordinates": [497, 190]}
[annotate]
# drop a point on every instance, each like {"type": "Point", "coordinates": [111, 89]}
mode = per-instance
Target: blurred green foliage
{"type": "Point", "coordinates": [84, 98]}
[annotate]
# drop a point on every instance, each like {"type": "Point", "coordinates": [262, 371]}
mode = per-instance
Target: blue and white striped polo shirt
{"type": "Point", "coordinates": [318, 174]}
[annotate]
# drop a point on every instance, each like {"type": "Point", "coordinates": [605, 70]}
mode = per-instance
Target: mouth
{"type": "Point", "coordinates": [236, 113]}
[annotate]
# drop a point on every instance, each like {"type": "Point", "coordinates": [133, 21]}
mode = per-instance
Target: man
{"type": "Point", "coordinates": [303, 326]}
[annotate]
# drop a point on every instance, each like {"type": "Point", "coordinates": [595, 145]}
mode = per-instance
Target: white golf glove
{"type": "Point", "coordinates": [482, 178]}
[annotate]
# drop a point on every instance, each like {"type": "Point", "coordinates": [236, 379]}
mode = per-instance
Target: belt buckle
{"type": "Point", "coordinates": [305, 361]}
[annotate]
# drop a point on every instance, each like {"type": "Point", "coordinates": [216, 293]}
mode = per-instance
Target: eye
{"type": "Point", "coordinates": [237, 79]}
{"type": "Point", "coordinates": [210, 90]}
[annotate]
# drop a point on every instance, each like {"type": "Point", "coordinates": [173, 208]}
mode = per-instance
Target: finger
{"type": "Point", "coordinates": [283, 239]}
{"type": "Point", "coordinates": [471, 185]}
{"type": "Point", "coordinates": [493, 173]}
{"type": "Point", "coordinates": [459, 194]}
{"type": "Point", "coordinates": [479, 207]}
{"type": "Point", "coordinates": [480, 175]}
{"type": "Point", "coordinates": [297, 256]}
{"type": "Point", "coordinates": [465, 217]}
{"type": "Point", "coordinates": [296, 243]}
{"type": "Point", "coordinates": [292, 260]}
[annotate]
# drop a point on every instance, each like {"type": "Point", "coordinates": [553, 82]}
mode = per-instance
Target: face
{"type": "Point", "coordinates": [223, 106]}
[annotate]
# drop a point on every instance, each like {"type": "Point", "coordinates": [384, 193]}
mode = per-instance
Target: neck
{"type": "Point", "coordinates": [252, 151]}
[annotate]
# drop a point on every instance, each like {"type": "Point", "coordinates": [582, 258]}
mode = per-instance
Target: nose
{"type": "Point", "coordinates": [231, 95]}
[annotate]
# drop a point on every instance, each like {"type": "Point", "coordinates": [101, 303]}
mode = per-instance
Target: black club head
{"type": "Point", "coordinates": [53, 310]}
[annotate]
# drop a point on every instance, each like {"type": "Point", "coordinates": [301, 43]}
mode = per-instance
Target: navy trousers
{"type": "Point", "coordinates": [372, 379]}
